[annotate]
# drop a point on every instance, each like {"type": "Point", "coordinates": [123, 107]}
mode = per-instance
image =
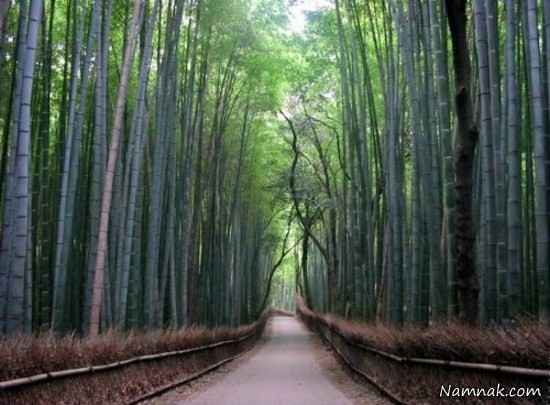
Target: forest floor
{"type": "Point", "coordinates": [290, 366]}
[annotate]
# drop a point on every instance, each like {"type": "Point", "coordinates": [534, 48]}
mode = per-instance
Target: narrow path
{"type": "Point", "coordinates": [284, 371]}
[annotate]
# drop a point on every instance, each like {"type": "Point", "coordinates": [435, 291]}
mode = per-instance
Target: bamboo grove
{"type": "Point", "coordinates": [421, 157]}
{"type": "Point", "coordinates": [133, 163]}
{"type": "Point", "coordinates": [175, 162]}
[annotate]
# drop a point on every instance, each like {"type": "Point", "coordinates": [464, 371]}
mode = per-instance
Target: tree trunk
{"type": "Point", "coordinates": [513, 132]}
{"type": "Point", "coordinates": [465, 143]}
{"type": "Point", "coordinates": [539, 157]}
{"type": "Point", "coordinates": [14, 317]}
{"type": "Point", "coordinates": [488, 271]}
{"type": "Point", "coordinates": [97, 294]}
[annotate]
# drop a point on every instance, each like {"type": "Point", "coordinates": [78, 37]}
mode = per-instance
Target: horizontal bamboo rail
{"type": "Point", "coordinates": [521, 371]}
{"type": "Point", "coordinates": [161, 390]}
{"type": "Point", "coordinates": [390, 395]}
{"type": "Point", "coordinates": [485, 367]}
{"type": "Point", "coordinates": [55, 375]}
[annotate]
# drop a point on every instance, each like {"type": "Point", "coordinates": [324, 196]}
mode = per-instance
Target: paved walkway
{"type": "Point", "coordinates": [282, 372]}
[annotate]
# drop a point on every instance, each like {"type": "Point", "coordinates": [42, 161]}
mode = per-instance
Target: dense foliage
{"type": "Point", "coordinates": [134, 177]}
{"type": "Point", "coordinates": [170, 162]}
{"type": "Point", "coordinates": [421, 160]}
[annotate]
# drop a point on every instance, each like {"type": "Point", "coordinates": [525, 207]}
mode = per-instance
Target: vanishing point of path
{"type": "Point", "coordinates": [283, 371]}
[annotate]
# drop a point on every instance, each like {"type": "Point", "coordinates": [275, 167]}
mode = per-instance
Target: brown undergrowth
{"type": "Point", "coordinates": [526, 344]}
{"type": "Point", "coordinates": [23, 356]}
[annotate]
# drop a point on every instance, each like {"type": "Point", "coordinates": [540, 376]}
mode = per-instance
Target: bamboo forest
{"type": "Point", "coordinates": [184, 180]}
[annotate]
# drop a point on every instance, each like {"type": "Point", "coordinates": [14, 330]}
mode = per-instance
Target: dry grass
{"type": "Point", "coordinates": [23, 356]}
{"type": "Point", "coordinates": [526, 344]}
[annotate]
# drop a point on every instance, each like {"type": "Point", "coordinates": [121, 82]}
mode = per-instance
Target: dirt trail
{"type": "Point", "coordinates": [283, 371]}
